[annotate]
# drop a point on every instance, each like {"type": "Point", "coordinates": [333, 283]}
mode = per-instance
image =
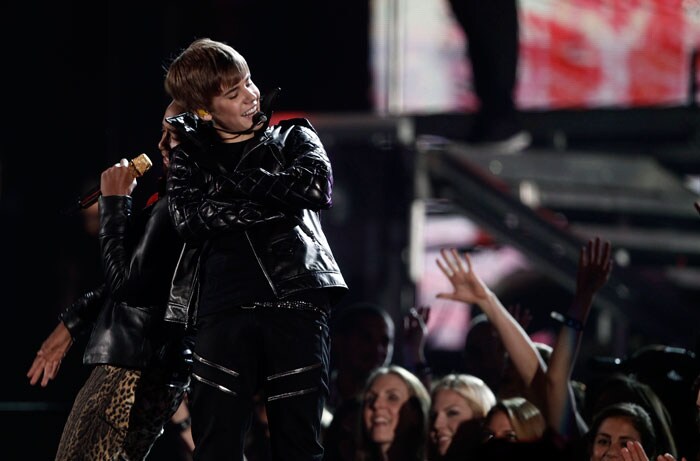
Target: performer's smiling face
{"type": "Point", "coordinates": [233, 109]}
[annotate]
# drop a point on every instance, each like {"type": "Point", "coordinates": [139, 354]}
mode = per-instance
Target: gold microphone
{"type": "Point", "coordinates": [138, 166]}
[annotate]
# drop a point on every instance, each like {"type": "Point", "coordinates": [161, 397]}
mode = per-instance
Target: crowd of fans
{"type": "Point", "coordinates": [514, 398]}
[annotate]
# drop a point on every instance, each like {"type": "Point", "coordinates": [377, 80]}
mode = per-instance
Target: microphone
{"type": "Point", "coordinates": [138, 166]}
{"type": "Point", "coordinates": [258, 118]}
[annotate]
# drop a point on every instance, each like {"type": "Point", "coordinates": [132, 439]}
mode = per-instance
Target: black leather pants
{"type": "Point", "coordinates": [281, 352]}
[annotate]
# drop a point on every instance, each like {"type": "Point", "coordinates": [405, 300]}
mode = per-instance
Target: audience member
{"type": "Point", "coordinates": [363, 339]}
{"type": "Point", "coordinates": [624, 388]}
{"type": "Point", "coordinates": [516, 429]}
{"type": "Point", "coordinates": [485, 356]}
{"type": "Point", "coordinates": [459, 404]}
{"type": "Point", "coordinates": [515, 419]}
{"type": "Point", "coordinates": [670, 372]}
{"type": "Point", "coordinates": [413, 337]}
{"type": "Point", "coordinates": [395, 406]}
{"type": "Point", "coordinates": [621, 430]}
{"type": "Point", "coordinates": [563, 413]}
{"type": "Point", "coordinates": [521, 350]}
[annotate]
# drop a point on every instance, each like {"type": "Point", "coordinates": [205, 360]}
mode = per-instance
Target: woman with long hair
{"type": "Point", "coordinates": [395, 406]}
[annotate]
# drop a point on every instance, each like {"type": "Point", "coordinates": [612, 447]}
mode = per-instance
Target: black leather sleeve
{"type": "Point", "coordinates": [80, 316]}
{"type": "Point", "coordinates": [139, 252]}
{"type": "Point", "coordinates": [305, 181]}
{"type": "Point", "coordinates": [197, 214]}
{"type": "Point", "coordinates": [115, 213]}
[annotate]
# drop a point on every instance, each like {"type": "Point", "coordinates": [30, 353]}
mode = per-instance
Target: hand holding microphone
{"type": "Point", "coordinates": [119, 179]}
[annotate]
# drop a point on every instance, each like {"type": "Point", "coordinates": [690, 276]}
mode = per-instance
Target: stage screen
{"type": "Point", "coordinates": [573, 54]}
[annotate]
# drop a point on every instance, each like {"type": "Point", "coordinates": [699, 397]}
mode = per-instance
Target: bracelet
{"type": "Point", "coordinates": [567, 321]}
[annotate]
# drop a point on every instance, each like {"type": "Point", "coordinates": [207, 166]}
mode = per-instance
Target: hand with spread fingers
{"type": "Point", "coordinates": [468, 287]}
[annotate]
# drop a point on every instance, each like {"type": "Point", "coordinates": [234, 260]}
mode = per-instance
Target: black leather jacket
{"type": "Point", "coordinates": [139, 254]}
{"type": "Point", "coordinates": [274, 194]}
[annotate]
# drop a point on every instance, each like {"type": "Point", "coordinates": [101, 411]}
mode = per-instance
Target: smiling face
{"type": "Point", "coordinates": [450, 409]}
{"type": "Point", "coordinates": [382, 404]}
{"type": "Point", "coordinates": [613, 434]}
{"type": "Point", "coordinates": [233, 109]}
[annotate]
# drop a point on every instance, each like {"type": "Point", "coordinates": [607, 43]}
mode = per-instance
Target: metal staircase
{"type": "Point", "coordinates": [547, 203]}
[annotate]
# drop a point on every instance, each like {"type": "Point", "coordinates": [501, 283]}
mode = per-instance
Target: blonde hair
{"type": "Point", "coordinates": [474, 390]}
{"type": "Point", "coordinates": [527, 420]}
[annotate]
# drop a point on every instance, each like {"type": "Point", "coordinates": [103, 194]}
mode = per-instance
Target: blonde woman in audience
{"type": "Point", "coordinates": [470, 289]}
{"type": "Point", "coordinates": [515, 419]}
{"type": "Point", "coordinates": [516, 429]}
{"type": "Point", "coordinates": [459, 404]}
{"type": "Point", "coordinates": [395, 406]}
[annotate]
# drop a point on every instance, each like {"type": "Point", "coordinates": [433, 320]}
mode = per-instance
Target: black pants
{"type": "Point", "coordinates": [491, 28]}
{"type": "Point", "coordinates": [282, 352]}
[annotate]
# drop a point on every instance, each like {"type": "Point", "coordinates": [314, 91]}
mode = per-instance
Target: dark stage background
{"type": "Point", "coordinates": [83, 88]}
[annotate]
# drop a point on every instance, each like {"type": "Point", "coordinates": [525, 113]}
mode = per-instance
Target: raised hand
{"type": "Point", "coordinates": [594, 266]}
{"type": "Point", "coordinates": [468, 287]}
{"type": "Point", "coordinates": [415, 330]}
{"type": "Point", "coordinates": [415, 325]}
{"type": "Point", "coordinates": [634, 451]}
{"type": "Point", "coordinates": [48, 358]}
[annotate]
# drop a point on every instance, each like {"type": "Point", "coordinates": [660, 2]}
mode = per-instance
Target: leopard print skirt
{"type": "Point", "coordinates": [118, 415]}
